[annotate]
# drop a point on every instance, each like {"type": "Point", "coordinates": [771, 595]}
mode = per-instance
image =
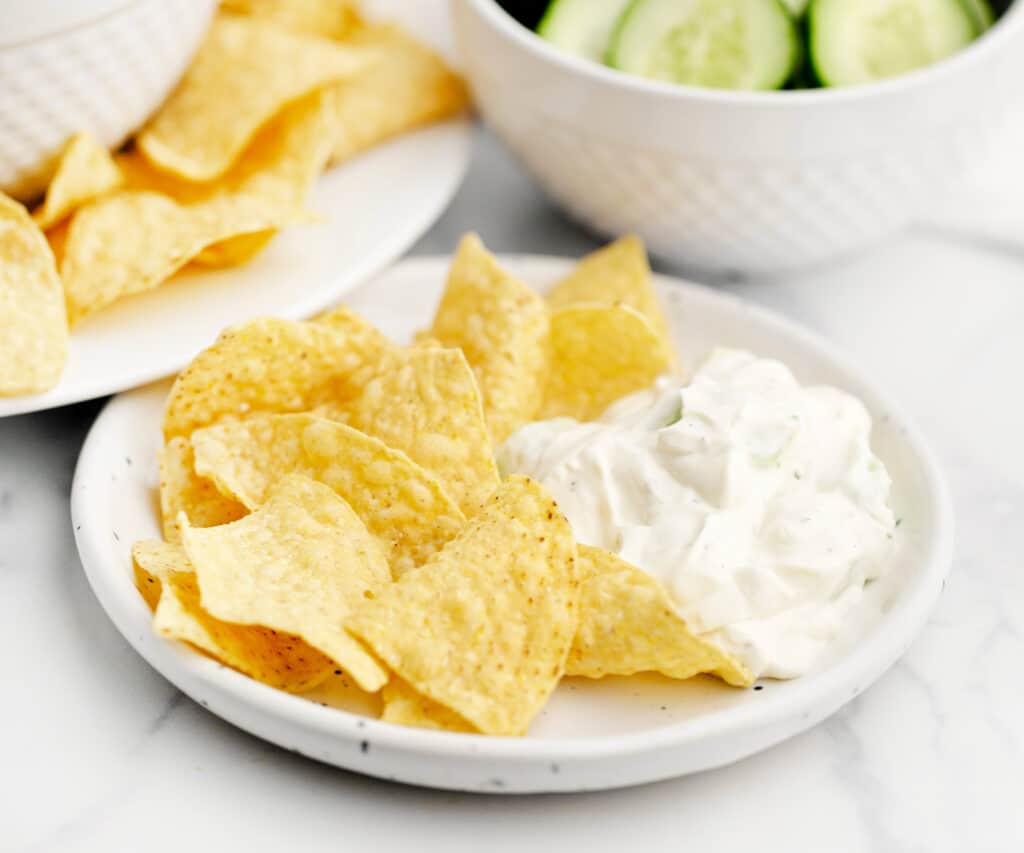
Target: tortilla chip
{"type": "Point", "coordinates": [246, 71]}
{"type": "Point", "coordinates": [332, 19]}
{"type": "Point", "coordinates": [424, 341]}
{"type": "Point", "coordinates": [274, 178]}
{"type": "Point", "coordinates": [153, 560]}
{"type": "Point", "coordinates": [302, 563]}
{"type": "Point", "coordinates": [182, 490]}
{"type": "Point", "coordinates": [278, 167]}
{"type": "Point", "coordinates": [409, 87]}
{"type": "Point", "coordinates": [33, 324]}
{"type": "Point", "coordinates": [57, 237]}
{"type": "Point", "coordinates": [628, 624]}
{"type": "Point", "coordinates": [84, 171]}
{"type": "Point", "coordinates": [125, 244]}
{"type": "Point", "coordinates": [370, 340]}
{"type": "Point", "coordinates": [599, 353]}
{"type": "Point", "coordinates": [617, 274]}
{"type": "Point", "coordinates": [485, 626]}
{"type": "Point", "coordinates": [426, 403]}
{"type": "Point", "coordinates": [403, 506]}
{"type": "Point", "coordinates": [266, 365]}
{"type": "Point", "coordinates": [279, 660]}
{"type": "Point", "coordinates": [502, 327]}
{"type": "Point", "coordinates": [235, 251]}
{"type": "Point", "coordinates": [136, 239]}
{"type": "Point", "coordinates": [405, 707]}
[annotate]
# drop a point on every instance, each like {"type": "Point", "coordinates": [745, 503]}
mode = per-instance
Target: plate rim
{"type": "Point", "coordinates": [391, 247]}
{"type": "Point", "coordinates": [886, 643]}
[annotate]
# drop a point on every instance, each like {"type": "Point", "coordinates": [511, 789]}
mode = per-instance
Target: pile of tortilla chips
{"type": "Point", "coordinates": [331, 502]}
{"type": "Point", "coordinates": [277, 91]}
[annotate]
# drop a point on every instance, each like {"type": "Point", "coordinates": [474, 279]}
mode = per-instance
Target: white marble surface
{"type": "Point", "coordinates": [98, 753]}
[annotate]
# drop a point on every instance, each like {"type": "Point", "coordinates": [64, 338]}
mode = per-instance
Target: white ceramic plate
{"type": "Point", "coordinates": [602, 734]}
{"type": "Point", "coordinates": [375, 207]}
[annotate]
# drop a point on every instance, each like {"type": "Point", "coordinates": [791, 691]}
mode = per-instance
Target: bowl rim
{"type": "Point", "coordinates": [87, 23]}
{"type": "Point", "coordinates": [1010, 23]}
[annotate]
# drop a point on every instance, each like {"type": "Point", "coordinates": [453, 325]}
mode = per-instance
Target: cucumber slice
{"type": "Point", "coordinates": [982, 13]}
{"type": "Point", "coordinates": [860, 41]}
{"type": "Point", "coordinates": [720, 44]}
{"type": "Point", "coordinates": [581, 27]}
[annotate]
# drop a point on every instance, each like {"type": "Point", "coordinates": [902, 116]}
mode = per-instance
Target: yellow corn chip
{"type": "Point", "coordinates": [302, 564]}
{"type": "Point", "coordinates": [425, 341]}
{"type": "Point", "coordinates": [33, 324]}
{"type": "Point", "coordinates": [617, 274]}
{"type": "Point", "coordinates": [85, 171]}
{"type": "Point", "coordinates": [139, 174]}
{"type": "Point", "coordinates": [266, 365]}
{"type": "Point", "coordinates": [402, 505]}
{"type": "Point", "coordinates": [277, 168]}
{"type": "Point", "coordinates": [485, 626]}
{"type": "Point", "coordinates": [235, 251]}
{"type": "Point", "coordinates": [283, 161]}
{"type": "Point", "coordinates": [334, 19]}
{"type": "Point", "coordinates": [182, 490]}
{"type": "Point", "coordinates": [153, 560]}
{"type": "Point", "coordinates": [599, 353]}
{"type": "Point", "coordinates": [502, 327]}
{"type": "Point", "coordinates": [275, 176]}
{"type": "Point", "coordinates": [135, 240]}
{"type": "Point", "coordinates": [245, 72]}
{"type": "Point", "coordinates": [277, 659]}
{"type": "Point", "coordinates": [409, 87]}
{"type": "Point", "coordinates": [426, 403]}
{"type": "Point", "coordinates": [371, 341]}
{"type": "Point", "coordinates": [125, 244]}
{"type": "Point", "coordinates": [628, 624]}
{"type": "Point", "coordinates": [131, 242]}
{"type": "Point", "coordinates": [57, 237]}
{"type": "Point", "coordinates": [405, 707]}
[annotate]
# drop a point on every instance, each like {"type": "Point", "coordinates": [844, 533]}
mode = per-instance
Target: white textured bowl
{"type": "Point", "coordinates": [739, 181]}
{"type": "Point", "coordinates": [97, 65]}
{"type": "Point", "coordinates": [593, 734]}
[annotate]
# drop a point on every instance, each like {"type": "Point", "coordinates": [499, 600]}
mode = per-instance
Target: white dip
{"type": "Point", "coordinates": [762, 508]}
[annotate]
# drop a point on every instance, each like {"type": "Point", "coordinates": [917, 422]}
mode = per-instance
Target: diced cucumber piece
{"type": "Point", "coordinates": [720, 44]}
{"type": "Point", "coordinates": [860, 41]}
{"type": "Point", "coordinates": [982, 13]}
{"type": "Point", "coordinates": [581, 27]}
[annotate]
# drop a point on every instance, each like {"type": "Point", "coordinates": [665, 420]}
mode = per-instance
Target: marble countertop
{"type": "Point", "coordinates": [98, 753]}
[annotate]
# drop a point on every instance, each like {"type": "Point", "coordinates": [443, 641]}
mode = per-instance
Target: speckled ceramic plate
{"type": "Point", "coordinates": [602, 734]}
{"type": "Point", "coordinates": [367, 223]}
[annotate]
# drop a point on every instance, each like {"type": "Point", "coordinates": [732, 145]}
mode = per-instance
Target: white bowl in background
{"type": "Point", "coordinates": [97, 65]}
{"type": "Point", "coordinates": [738, 181]}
